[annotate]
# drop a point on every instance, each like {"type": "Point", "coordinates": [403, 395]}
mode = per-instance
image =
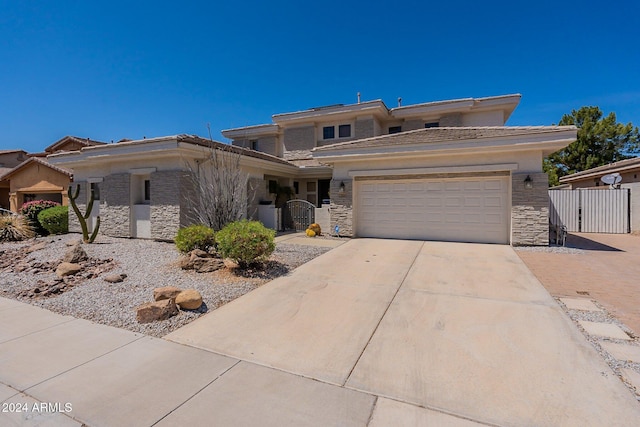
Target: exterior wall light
{"type": "Point", "coordinates": [341, 190]}
{"type": "Point", "coordinates": [528, 182]}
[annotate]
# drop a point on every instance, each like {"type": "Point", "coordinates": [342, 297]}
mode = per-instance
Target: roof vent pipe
{"type": "Point", "coordinates": [399, 102]}
{"type": "Point", "coordinates": [358, 97]}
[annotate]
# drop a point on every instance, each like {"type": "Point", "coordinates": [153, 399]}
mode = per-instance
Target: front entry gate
{"type": "Point", "coordinates": [298, 215]}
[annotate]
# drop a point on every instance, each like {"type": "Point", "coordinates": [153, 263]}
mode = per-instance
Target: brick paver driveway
{"type": "Point", "coordinates": [609, 270]}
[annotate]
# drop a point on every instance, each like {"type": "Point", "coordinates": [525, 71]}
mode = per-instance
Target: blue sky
{"type": "Point", "coordinates": [128, 69]}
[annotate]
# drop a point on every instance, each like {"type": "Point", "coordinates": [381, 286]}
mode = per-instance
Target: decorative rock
{"type": "Point", "coordinates": [189, 299]}
{"type": "Point", "coordinates": [159, 310]}
{"type": "Point", "coordinates": [207, 265]}
{"type": "Point", "coordinates": [75, 254]}
{"type": "Point", "coordinates": [198, 253]}
{"type": "Point", "coordinates": [67, 269]}
{"type": "Point", "coordinates": [73, 242]}
{"type": "Point", "coordinates": [37, 247]}
{"type": "Point", "coordinates": [115, 278]}
{"type": "Point", "coordinates": [166, 292]}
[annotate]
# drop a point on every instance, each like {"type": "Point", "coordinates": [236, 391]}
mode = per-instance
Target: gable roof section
{"type": "Point", "coordinates": [65, 140]}
{"type": "Point", "coordinates": [548, 138]}
{"type": "Point", "coordinates": [621, 166]}
{"type": "Point", "coordinates": [37, 160]}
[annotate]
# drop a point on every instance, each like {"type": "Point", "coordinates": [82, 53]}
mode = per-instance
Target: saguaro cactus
{"type": "Point", "coordinates": [83, 218]}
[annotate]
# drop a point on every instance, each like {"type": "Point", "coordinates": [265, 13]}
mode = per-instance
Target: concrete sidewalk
{"type": "Point", "coordinates": [374, 332]}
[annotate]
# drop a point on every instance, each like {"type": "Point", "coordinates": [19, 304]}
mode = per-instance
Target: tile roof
{"type": "Point", "coordinates": [442, 134]}
{"type": "Point", "coordinates": [194, 139]}
{"type": "Point", "coordinates": [11, 151]}
{"type": "Point", "coordinates": [611, 167]}
{"type": "Point", "coordinates": [87, 142]}
{"type": "Point", "coordinates": [39, 160]}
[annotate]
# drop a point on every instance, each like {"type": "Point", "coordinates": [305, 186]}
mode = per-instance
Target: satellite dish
{"type": "Point", "coordinates": [611, 179]}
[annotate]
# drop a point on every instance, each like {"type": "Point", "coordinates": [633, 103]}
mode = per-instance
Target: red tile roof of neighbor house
{"type": "Point", "coordinates": [12, 151]}
{"type": "Point", "coordinates": [622, 165]}
{"type": "Point", "coordinates": [443, 134]}
{"type": "Point", "coordinates": [38, 160]}
{"type": "Point", "coordinates": [87, 142]}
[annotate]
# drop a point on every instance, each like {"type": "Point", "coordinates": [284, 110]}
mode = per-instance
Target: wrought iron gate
{"type": "Point", "coordinates": [298, 215]}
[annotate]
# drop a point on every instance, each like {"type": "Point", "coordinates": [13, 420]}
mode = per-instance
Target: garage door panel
{"type": "Point", "coordinates": [469, 210]}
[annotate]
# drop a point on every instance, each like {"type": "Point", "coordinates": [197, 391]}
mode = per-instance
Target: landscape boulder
{"type": "Point", "coordinates": [75, 255]}
{"type": "Point", "coordinates": [189, 299]}
{"type": "Point", "coordinates": [37, 247]}
{"type": "Point", "coordinates": [115, 278]}
{"type": "Point", "coordinates": [158, 310]}
{"type": "Point", "coordinates": [67, 269]}
{"type": "Point", "coordinates": [166, 292]}
{"type": "Point", "coordinates": [201, 262]}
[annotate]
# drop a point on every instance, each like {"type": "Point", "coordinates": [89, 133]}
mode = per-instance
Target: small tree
{"type": "Point", "coordinates": [601, 140]}
{"type": "Point", "coordinates": [221, 188]}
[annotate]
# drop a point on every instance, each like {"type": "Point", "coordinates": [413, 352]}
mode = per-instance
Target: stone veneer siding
{"type": "Point", "coordinates": [169, 195]}
{"type": "Point", "coordinates": [115, 200]}
{"type": "Point", "coordinates": [302, 138]}
{"type": "Point", "coordinates": [341, 207]}
{"type": "Point", "coordinates": [74, 224]}
{"type": "Point", "coordinates": [364, 129]}
{"type": "Point", "coordinates": [529, 210]}
{"type": "Point", "coordinates": [451, 120]}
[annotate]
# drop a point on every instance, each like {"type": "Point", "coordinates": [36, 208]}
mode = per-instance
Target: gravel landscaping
{"type": "Point", "coordinates": [147, 265]}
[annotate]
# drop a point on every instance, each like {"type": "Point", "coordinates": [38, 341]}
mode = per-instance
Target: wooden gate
{"type": "Point", "coordinates": [299, 214]}
{"type": "Point", "coordinates": [591, 211]}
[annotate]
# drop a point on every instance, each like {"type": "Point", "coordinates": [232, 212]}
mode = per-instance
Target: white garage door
{"type": "Point", "coordinates": [451, 209]}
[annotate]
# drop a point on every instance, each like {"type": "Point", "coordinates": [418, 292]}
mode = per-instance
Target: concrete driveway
{"type": "Point", "coordinates": [440, 333]}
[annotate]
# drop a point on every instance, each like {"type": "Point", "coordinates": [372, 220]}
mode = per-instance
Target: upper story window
{"type": "Point", "coordinates": [395, 129]}
{"type": "Point", "coordinates": [253, 144]}
{"type": "Point", "coordinates": [147, 190]}
{"type": "Point", "coordinates": [329, 132]}
{"type": "Point", "coordinates": [431, 125]}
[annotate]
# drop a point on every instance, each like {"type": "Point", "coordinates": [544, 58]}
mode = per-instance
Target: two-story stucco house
{"type": "Point", "coordinates": [447, 170]}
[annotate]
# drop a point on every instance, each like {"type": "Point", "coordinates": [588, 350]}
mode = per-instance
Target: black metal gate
{"type": "Point", "coordinates": [298, 215]}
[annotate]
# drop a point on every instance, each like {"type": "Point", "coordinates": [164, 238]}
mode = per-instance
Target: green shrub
{"type": "Point", "coordinates": [195, 237]}
{"type": "Point", "coordinates": [14, 228]}
{"type": "Point", "coordinates": [246, 242]}
{"type": "Point", "coordinates": [31, 210]}
{"type": "Point", "coordinates": [55, 220]}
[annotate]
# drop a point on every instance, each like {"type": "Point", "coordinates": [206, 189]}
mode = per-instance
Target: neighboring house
{"type": "Point", "coordinates": [9, 159]}
{"type": "Point", "coordinates": [30, 177]}
{"type": "Point", "coordinates": [144, 189]}
{"type": "Point", "coordinates": [628, 169]}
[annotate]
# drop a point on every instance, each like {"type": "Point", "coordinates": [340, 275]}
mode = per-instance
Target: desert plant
{"type": "Point", "coordinates": [14, 228]}
{"type": "Point", "coordinates": [195, 237]}
{"type": "Point", "coordinates": [55, 220]}
{"type": "Point", "coordinates": [82, 219]}
{"type": "Point", "coordinates": [246, 242]}
{"type": "Point", "coordinates": [221, 192]}
{"type": "Point", "coordinates": [31, 210]}
{"type": "Point", "coordinates": [310, 232]}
